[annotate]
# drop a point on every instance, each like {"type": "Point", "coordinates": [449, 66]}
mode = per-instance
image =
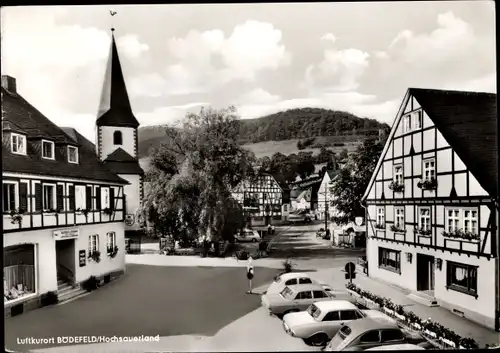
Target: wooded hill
{"type": "Point", "coordinates": [290, 124]}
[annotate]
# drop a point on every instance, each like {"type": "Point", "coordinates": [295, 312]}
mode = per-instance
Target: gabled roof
{"type": "Point", "coordinates": [121, 162]}
{"type": "Point", "coordinates": [119, 155]}
{"type": "Point", "coordinates": [18, 112]}
{"type": "Point", "coordinates": [115, 108]}
{"type": "Point", "coordinates": [468, 122]}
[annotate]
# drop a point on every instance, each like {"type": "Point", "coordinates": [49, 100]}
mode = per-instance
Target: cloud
{"type": "Point", "coordinates": [59, 68]}
{"type": "Point", "coordinates": [207, 60]}
{"type": "Point", "coordinates": [329, 37]}
{"type": "Point", "coordinates": [257, 96]}
{"type": "Point", "coordinates": [168, 114]}
{"type": "Point", "coordinates": [130, 46]}
{"type": "Point", "coordinates": [339, 70]}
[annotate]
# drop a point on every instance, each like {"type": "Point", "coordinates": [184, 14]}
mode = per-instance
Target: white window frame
{"type": "Point", "coordinates": [455, 217]}
{"type": "Point", "coordinates": [426, 167]}
{"type": "Point", "coordinates": [380, 216]}
{"type": "Point", "coordinates": [93, 245]}
{"type": "Point", "coordinates": [417, 119]}
{"type": "Point", "coordinates": [110, 242]}
{"type": "Point", "coordinates": [52, 150]}
{"type": "Point", "coordinates": [80, 197]}
{"type": "Point", "coordinates": [407, 122]}
{"type": "Point", "coordinates": [54, 197]}
{"type": "Point", "coordinates": [426, 218]}
{"type": "Point", "coordinates": [16, 194]}
{"type": "Point", "coordinates": [471, 220]}
{"type": "Point", "coordinates": [18, 137]}
{"type": "Point", "coordinates": [463, 220]}
{"type": "Point", "coordinates": [76, 154]}
{"type": "Point", "coordinates": [398, 176]}
{"type": "Point", "coordinates": [104, 198]}
{"type": "Point", "coordinates": [399, 217]}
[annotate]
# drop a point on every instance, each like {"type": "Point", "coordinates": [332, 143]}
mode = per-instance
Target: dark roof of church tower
{"type": "Point", "coordinates": [114, 107]}
{"type": "Point", "coordinates": [121, 162]}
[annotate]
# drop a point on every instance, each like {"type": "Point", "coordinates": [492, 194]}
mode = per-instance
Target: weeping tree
{"type": "Point", "coordinates": [192, 176]}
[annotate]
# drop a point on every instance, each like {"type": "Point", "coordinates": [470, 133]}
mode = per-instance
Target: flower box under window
{"type": "Point", "coordinates": [396, 186]}
{"type": "Point", "coordinates": [427, 184]}
{"type": "Point", "coordinates": [424, 232]}
{"type": "Point", "coordinates": [380, 226]}
{"type": "Point", "coordinates": [397, 229]}
{"type": "Point", "coordinates": [461, 234]}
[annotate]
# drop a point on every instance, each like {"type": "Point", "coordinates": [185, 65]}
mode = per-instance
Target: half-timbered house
{"type": "Point", "coordinates": [64, 205]}
{"type": "Point", "coordinates": [262, 199]}
{"type": "Point", "coordinates": [432, 203]}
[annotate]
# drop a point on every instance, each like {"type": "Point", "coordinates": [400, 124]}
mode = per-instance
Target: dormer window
{"type": "Point", "coordinates": [73, 154]}
{"type": "Point", "coordinates": [18, 144]}
{"type": "Point", "coordinates": [48, 149]}
{"type": "Point", "coordinates": [117, 138]}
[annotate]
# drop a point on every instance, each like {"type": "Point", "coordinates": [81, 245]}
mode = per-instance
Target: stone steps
{"type": "Point", "coordinates": [66, 291]}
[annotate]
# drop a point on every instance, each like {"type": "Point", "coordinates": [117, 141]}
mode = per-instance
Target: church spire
{"type": "Point", "coordinates": [114, 107]}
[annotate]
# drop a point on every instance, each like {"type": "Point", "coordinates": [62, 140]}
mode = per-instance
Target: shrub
{"type": "Point", "coordinates": [242, 255]}
{"type": "Point", "coordinates": [90, 284]}
{"type": "Point", "coordinates": [49, 298]}
{"type": "Point", "coordinates": [287, 266]}
{"type": "Point", "coordinates": [263, 246]}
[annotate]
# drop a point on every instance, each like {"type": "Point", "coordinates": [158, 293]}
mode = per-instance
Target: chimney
{"type": "Point", "coordinates": [9, 83]}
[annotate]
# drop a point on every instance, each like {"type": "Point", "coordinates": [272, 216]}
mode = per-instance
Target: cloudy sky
{"type": "Point", "coordinates": [262, 58]}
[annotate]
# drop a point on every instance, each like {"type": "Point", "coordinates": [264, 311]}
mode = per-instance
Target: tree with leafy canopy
{"type": "Point", "coordinates": [352, 181]}
{"type": "Point", "coordinates": [192, 176]}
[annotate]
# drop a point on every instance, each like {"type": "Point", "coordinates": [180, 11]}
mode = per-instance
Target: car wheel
{"type": "Point", "coordinates": [319, 339]}
{"type": "Point", "coordinates": [254, 240]}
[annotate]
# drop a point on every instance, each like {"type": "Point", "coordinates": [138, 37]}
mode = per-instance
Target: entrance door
{"type": "Point", "coordinates": [425, 272]}
{"type": "Point", "coordinates": [65, 259]}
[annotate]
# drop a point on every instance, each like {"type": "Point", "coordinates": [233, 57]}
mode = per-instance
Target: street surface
{"type": "Point", "coordinates": [193, 303]}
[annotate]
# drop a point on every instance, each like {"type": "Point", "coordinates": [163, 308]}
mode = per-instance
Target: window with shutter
{"type": "Point", "coordinates": [88, 198]}
{"type": "Point", "coordinates": [23, 196]}
{"type": "Point", "coordinates": [112, 198]}
{"type": "Point", "coordinates": [59, 198]}
{"type": "Point", "coordinates": [38, 197]}
{"type": "Point", "coordinates": [71, 197]}
{"type": "Point", "coordinates": [98, 204]}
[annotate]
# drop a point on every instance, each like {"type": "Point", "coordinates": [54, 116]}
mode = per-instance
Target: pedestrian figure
{"type": "Point", "coordinates": [272, 230]}
{"type": "Point", "coordinates": [250, 273]}
{"type": "Point", "coordinates": [269, 229]}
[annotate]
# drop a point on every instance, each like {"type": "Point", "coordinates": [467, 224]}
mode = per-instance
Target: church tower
{"type": "Point", "coordinates": [116, 135]}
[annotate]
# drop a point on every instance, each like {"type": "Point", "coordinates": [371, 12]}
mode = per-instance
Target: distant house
{"type": "Point", "coordinates": [432, 203]}
{"type": "Point", "coordinates": [262, 200]}
{"type": "Point", "coordinates": [324, 194]}
{"type": "Point", "coordinates": [304, 193]}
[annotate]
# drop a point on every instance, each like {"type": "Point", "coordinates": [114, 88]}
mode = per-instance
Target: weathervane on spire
{"type": "Point", "coordinates": [112, 13]}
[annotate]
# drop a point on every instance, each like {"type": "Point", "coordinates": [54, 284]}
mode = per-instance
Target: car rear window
{"type": "Point", "coordinates": [345, 331]}
{"type": "Point", "coordinates": [287, 293]}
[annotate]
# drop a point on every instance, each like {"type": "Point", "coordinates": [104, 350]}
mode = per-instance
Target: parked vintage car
{"type": "Point", "coordinates": [247, 235]}
{"type": "Point", "coordinates": [295, 278]}
{"type": "Point", "coordinates": [371, 332]}
{"type": "Point", "coordinates": [294, 298]}
{"type": "Point", "coordinates": [292, 279]}
{"type": "Point", "coordinates": [398, 347]}
{"type": "Point", "coordinates": [321, 321]}
{"type": "Point", "coordinates": [300, 216]}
